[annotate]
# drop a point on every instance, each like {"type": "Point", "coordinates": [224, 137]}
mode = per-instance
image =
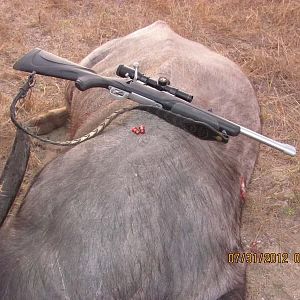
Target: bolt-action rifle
{"type": "Point", "coordinates": [137, 87]}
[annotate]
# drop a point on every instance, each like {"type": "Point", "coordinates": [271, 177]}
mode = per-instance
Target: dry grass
{"type": "Point", "coordinates": [262, 36]}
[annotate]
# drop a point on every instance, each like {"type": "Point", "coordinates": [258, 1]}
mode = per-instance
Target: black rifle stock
{"type": "Point", "coordinates": [48, 64]}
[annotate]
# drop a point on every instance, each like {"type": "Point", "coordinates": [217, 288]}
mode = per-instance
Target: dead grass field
{"type": "Point", "coordinates": [262, 37]}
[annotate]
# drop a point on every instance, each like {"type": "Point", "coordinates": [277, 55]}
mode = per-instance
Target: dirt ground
{"type": "Point", "coordinates": [262, 37]}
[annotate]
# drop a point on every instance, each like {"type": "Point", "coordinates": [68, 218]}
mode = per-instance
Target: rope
{"type": "Point", "coordinates": [29, 84]}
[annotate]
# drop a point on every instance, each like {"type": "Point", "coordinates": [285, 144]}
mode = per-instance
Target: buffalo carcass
{"type": "Point", "coordinates": [152, 216]}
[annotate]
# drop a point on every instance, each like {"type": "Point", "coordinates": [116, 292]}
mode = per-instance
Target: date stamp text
{"type": "Point", "coordinates": [263, 258]}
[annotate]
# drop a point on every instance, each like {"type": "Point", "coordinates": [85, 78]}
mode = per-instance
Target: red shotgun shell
{"type": "Point", "coordinates": [142, 129]}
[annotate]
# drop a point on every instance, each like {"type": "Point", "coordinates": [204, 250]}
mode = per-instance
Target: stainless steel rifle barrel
{"type": "Point", "coordinates": [286, 148]}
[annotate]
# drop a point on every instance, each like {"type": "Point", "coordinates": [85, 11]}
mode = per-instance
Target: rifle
{"type": "Point", "coordinates": [144, 90]}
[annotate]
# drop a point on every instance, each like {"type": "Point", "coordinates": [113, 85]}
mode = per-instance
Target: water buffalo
{"type": "Point", "coordinates": [126, 216]}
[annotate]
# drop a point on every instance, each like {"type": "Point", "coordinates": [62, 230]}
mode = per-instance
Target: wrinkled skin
{"type": "Point", "coordinates": [138, 217]}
